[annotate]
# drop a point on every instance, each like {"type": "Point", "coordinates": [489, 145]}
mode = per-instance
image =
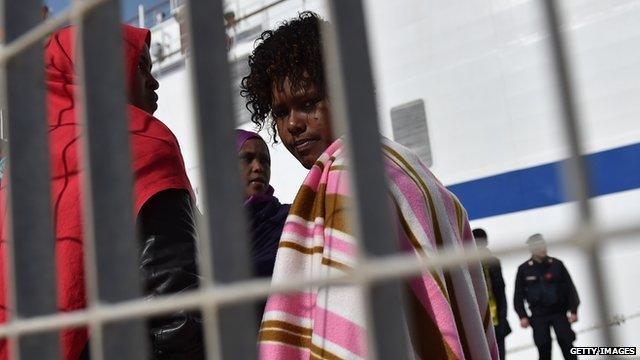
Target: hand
{"type": "Point", "coordinates": [573, 318]}
{"type": "Point", "coordinates": [524, 323]}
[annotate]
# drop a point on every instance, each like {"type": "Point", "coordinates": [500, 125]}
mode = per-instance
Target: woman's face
{"type": "Point", "coordinates": [303, 122]}
{"type": "Point", "coordinates": [143, 95]}
{"type": "Point", "coordinates": [255, 166]}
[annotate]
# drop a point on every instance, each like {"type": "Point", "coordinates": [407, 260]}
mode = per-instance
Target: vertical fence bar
{"type": "Point", "coordinates": [224, 245]}
{"type": "Point", "coordinates": [31, 250]}
{"type": "Point", "coordinates": [110, 244]}
{"type": "Point", "coordinates": [349, 75]}
{"type": "Point", "coordinates": [577, 172]}
{"type": "Point", "coordinates": [141, 20]}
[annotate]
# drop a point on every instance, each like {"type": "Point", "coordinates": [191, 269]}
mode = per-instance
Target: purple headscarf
{"type": "Point", "coordinates": [267, 217]}
{"type": "Point", "coordinates": [243, 135]}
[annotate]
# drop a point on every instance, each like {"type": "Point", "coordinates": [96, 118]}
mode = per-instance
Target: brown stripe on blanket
{"type": "Point", "coordinates": [303, 204]}
{"type": "Point", "coordinates": [297, 340]}
{"type": "Point", "coordinates": [285, 338]}
{"type": "Point", "coordinates": [458, 317]}
{"type": "Point", "coordinates": [315, 250]}
{"type": "Point", "coordinates": [300, 248]}
{"type": "Point", "coordinates": [338, 168]}
{"type": "Point", "coordinates": [321, 353]}
{"type": "Point", "coordinates": [335, 264]}
{"type": "Point", "coordinates": [421, 185]}
{"type": "Point", "coordinates": [459, 216]}
{"type": "Point", "coordinates": [310, 204]}
{"type": "Point", "coordinates": [486, 318]}
{"type": "Point", "coordinates": [407, 229]}
{"type": "Point", "coordinates": [337, 209]}
{"type": "Point", "coordinates": [416, 244]}
{"type": "Point", "coordinates": [320, 164]}
{"type": "Point", "coordinates": [426, 337]}
{"type": "Point", "coordinates": [285, 326]}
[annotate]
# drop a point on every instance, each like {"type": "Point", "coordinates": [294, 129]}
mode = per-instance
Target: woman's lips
{"type": "Point", "coordinates": [304, 146]}
{"type": "Point", "coordinates": [257, 182]}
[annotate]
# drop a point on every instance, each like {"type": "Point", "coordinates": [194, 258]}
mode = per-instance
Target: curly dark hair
{"type": "Point", "coordinates": [292, 51]}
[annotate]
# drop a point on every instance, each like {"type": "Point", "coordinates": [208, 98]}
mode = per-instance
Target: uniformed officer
{"type": "Point", "coordinates": [545, 284]}
{"type": "Point", "coordinates": [495, 288]}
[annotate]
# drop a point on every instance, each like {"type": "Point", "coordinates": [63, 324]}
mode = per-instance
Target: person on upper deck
{"type": "Point", "coordinates": [446, 310]}
{"type": "Point", "coordinates": [163, 201]}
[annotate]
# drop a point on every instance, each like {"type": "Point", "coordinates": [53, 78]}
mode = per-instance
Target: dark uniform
{"type": "Point", "coordinates": [550, 293]}
{"type": "Point", "coordinates": [495, 284]}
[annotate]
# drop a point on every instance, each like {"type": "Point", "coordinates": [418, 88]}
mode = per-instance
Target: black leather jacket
{"type": "Point", "coordinates": [167, 231]}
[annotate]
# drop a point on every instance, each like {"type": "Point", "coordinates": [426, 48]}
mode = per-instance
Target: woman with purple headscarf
{"type": "Point", "coordinates": [266, 214]}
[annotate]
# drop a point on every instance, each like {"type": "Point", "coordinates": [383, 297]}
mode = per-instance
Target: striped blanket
{"type": "Point", "coordinates": [448, 309]}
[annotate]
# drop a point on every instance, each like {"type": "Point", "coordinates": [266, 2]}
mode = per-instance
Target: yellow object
{"type": "Point", "coordinates": [493, 306]}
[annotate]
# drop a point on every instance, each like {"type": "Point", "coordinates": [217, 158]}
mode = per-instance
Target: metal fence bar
{"type": "Point", "coordinates": [389, 267]}
{"type": "Point", "coordinates": [111, 249]}
{"type": "Point", "coordinates": [31, 249]}
{"type": "Point", "coordinates": [41, 31]}
{"type": "Point", "coordinates": [349, 75]}
{"type": "Point", "coordinates": [224, 237]}
{"type": "Point", "coordinates": [577, 174]}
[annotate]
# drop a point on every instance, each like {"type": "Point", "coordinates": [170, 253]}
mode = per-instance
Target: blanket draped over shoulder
{"type": "Point", "coordinates": [448, 310]}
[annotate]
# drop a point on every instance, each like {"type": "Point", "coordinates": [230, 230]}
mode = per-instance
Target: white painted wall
{"type": "Point", "coordinates": [482, 68]}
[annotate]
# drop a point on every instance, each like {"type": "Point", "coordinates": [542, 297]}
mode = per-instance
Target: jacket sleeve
{"type": "Point", "coordinates": [518, 296]}
{"type": "Point", "coordinates": [498, 290]}
{"type": "Point", "coordinates": [573, 299]}
{"type": "Point", "coordinates": [168, 265]}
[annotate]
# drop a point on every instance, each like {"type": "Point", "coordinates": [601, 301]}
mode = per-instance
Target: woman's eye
{"type": "Point", "coordinates": [279, 113]}
{"type": "Point", "coordinates": [143, 66]}
{"type": "Point", "coordinates": [311, 104]}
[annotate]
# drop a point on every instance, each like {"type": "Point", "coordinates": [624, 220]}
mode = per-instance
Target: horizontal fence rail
{"type": "Point", "coordinates": [389, 267]}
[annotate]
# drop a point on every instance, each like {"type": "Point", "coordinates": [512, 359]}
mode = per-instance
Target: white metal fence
{"type": "Point", "coordinates": [115, 307]}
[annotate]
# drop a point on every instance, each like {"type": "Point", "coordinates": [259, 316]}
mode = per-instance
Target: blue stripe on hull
{"type": "Point", "coordinates": [611, 171]}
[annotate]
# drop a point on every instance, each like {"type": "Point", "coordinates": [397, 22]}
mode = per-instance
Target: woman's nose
{"type": "Point", "coordinates": [256, 166]}
{"type": "Point", "coordinates": [153, 83]}
{"type": "Point", "coordinates": [297, 122]}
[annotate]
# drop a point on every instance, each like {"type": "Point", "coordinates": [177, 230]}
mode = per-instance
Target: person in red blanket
{"type": "Point", "coordinates": [163, 200]}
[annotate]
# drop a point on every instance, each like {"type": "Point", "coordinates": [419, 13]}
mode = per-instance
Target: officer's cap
{"type": "Point", "coordinates": [536, 242]}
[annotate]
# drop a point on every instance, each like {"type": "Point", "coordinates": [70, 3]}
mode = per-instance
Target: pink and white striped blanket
{"type": "Point", "coordinates": [448, 309]}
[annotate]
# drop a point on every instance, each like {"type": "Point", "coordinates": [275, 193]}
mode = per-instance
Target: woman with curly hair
{"type": "Point", "coordinates": [446, 310]}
